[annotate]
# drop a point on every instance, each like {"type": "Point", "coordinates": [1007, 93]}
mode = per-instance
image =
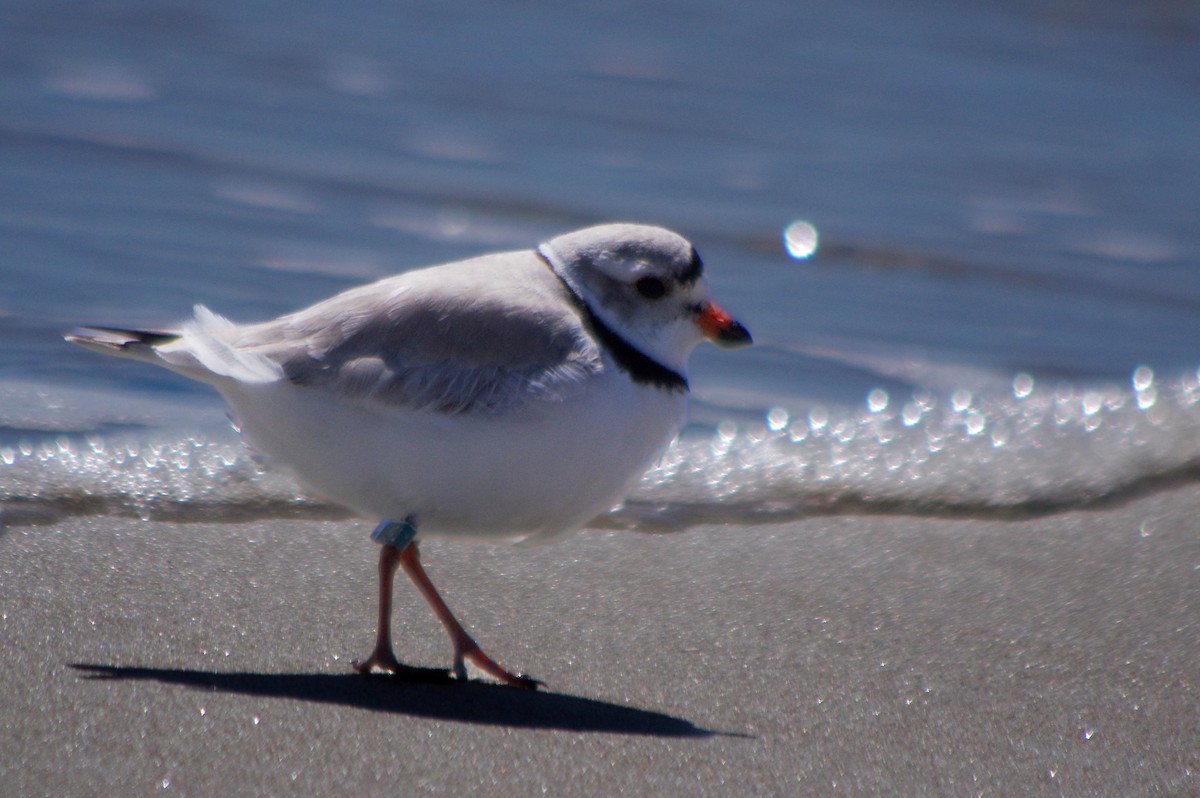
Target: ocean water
{"type": "Point", "coordinates": [963, 235]}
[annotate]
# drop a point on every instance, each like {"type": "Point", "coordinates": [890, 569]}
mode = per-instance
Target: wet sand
{"type": "Point", "coordinates": [849, 655]}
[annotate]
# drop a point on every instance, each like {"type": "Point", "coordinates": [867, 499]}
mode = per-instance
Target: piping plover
{"type": "Point", "coordinates": [518, 394]}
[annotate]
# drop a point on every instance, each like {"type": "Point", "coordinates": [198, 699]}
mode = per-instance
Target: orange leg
{"type": "Point", "coordinates": [465, 648]}
{"type": "Point", "coordinates": [383, 657]}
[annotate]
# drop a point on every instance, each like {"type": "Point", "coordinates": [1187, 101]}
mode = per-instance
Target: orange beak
{"type": "Point", "coordinates": [720, 328]}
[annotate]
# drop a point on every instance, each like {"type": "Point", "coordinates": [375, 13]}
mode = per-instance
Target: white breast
{"type": "Point", "coordinates": [535, 471]}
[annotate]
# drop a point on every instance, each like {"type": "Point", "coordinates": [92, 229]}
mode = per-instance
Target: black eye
{"type": "Point", "coordinates": [651, 287]}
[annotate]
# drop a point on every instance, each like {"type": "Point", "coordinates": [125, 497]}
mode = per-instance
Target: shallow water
{"type": "Point", "coordinates": [1000, 316]}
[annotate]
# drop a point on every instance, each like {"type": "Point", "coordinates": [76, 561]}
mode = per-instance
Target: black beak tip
{"type": "Point", "coordinates": [734, 335]}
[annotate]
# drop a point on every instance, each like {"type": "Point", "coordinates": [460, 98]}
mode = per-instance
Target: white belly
{"type": "Point", "coordinates": [547, 469]}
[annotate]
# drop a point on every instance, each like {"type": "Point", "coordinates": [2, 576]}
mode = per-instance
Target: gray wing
{"type": "Point", "coordinates": [447, 353]}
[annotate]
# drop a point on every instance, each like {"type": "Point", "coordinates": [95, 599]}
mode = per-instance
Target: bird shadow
{"type": "Point", "coordinates": [436, 696]}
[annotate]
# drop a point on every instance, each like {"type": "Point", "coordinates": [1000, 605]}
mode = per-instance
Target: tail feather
{"type": "Point", "coordinates": [204, 349]}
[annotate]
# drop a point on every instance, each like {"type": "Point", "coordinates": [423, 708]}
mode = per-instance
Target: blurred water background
{"type": "Point", "coordinates": [963, 234]}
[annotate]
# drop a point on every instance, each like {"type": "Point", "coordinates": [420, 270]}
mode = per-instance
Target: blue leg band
{"type": "Point", "coordinates": [397, 534]}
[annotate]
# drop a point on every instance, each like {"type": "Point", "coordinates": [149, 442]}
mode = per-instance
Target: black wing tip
{"type": "Point", "coordinates": [118, 336]}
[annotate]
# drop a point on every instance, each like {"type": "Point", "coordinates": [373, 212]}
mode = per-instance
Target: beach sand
{"type": "Point", "coordinates": [838, 655]}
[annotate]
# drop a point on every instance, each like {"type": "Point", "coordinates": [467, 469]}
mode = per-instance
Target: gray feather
{"type": "Point", "coordinates": [448, 352]}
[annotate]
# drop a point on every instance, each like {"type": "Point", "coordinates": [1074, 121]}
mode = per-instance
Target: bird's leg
{"type": "Point", "coordinates": [395, 537]}
{"type": "Point", "coordinates": [383, 657]}
{"type": "Point", "coordinates": [465, 648]}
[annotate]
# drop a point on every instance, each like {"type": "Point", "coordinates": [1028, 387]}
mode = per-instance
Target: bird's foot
{"type": "Point", "coordinates": [381, 658]}
{"type": "Point", "coordinates": [470, 650]}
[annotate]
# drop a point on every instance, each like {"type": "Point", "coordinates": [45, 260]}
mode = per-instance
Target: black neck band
{"type": "Point", "coordinates": [638, 365]}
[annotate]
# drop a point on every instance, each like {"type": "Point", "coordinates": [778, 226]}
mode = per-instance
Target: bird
{"type": "Point", "coordinates": [514, 395]}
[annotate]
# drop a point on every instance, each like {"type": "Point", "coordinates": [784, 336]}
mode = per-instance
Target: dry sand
{"type": "Point", "coordinates": [851, 655]}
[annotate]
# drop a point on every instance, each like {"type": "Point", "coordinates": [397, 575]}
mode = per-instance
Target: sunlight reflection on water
{"type": "Point", "coordinates": [1053, 446]}
{"type": "Point", "coordinates": [800, 240]}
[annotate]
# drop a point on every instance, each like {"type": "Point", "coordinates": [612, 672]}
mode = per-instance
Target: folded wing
{"type": "Point", "coordinates": [449, 353]}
